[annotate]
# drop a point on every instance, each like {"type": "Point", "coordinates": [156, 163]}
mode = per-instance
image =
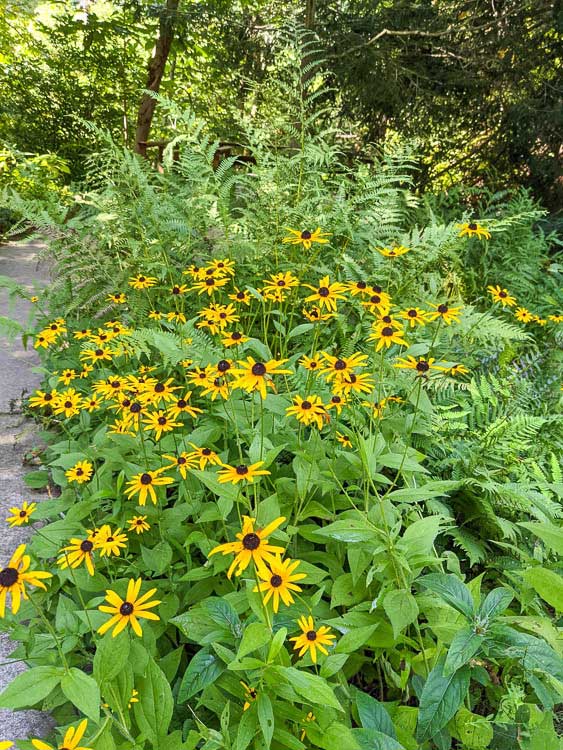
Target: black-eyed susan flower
{"type": "Point", "coordinates": [326, 294]}
{"type": "Point", "coordinates": [252, 545]}
{"type": "Point", "coordinates": [218, 387]}
{"type": "Point", "coordinates": [144, 485]}
{"type": "Point", "coordinates": [142, 282]}
{"type": "Point", "coordinates": [311, 639]}
{"type": "Point", "coordinates": [155, 315]}
{"type": "Point", "coordinates": [473, 229]}
{"type": "Point", "coordinates": [67, 376]}
{"type": "Point", "coordinates": [377, 303]}
{"type": "Point", "coordinates": [34, 299]}
{"type": "Point", "coordinates": [556, 318]}
{"type": "Point", "coordinates": [250, 695]}
{"type": "Point", "coordinates": [91, 403]}
{"type": "Point", "coordinates": [44, 339]}
{"type": "Point", "coordinates": [314, 314]}
{"type": "Point", "coordinates": [201, 375]}
{"type": "Point", "coordinates": [501, 295]}
{"type": "Point", "coordinates": [353, 383]}
{"type": "Point", "coordinates": [279, 581]}
{"type": "Point", "coordinates": [540, 321]}
{"type": "Point", "coordinates": [21, 515]}
{"type": "Point", "coordinates": [71, 739]}
{"type": "Point", "coordinates": [393, 252]}
{"type": "Point", "coordinates": [81, 472]}
{"type": "Point", "coordinates": [100, 354]}
{"type": "Point", "coordinates": [178, 290]}
{"type": "Point", "coordinates": [174, 316]}
{"type": "Point", "coordinates": [110, 542]}
{"type": "Point", "coordinates": [421, 365]}
{"type": "Point", "coordinates": [138, 524]}
{"type": "Point", "coordinates": [159, 422]}
{"type": "Point", "coordinates": [457, 370]}
{"type": "Point", "coordinates": [222, 267]}
{"type": "Point", "coordinates": [355, 288]}
{"type": "Point", "coordinates": [111, 387]}
{"type": "Point", "coordinates": [210, 285]}
{"type": "Point", "coordinates": [78, 551]}
{"type": "Point", "coordinates": [312, 363]}
{"type": "Point", "coordinates": [182, 462]}
{"type": "Point", "coordinates": [241, 473]}
{"type": "Point", "coordinates": [257, 376]}
{"type": "Point", "coordinates": [387, 320]}
{"type": "Point", "coordinates": [414, 316]}
{"type": "Point", "coordinates": [309, 410]}
{"type": "Point", "coordinates": [387, 336]}
{"type": "Point", "coordinates": [118, 298]}
{"type": "Point", "coordinates": [243, 297]}
{"type": "Point", "coordinates": [42, 399]}
{"type": "Point", "coordinates": [337, 367]}
{"type": "Point", "coordinates": [337, 402]}
{"type": "Point", "coordinates": [233, 338]}
{"type": "Point", "coordinates": [305, 237]}
{"type": "Point", "coordinates": [15, 576]}
{"type": "Point", "coordinates": [155, 392]}
{"type": "Point", "coordinates": [84, 333]}
{"type": "Point", "coordinates": [444, 312]}
{"type": "Point", "coordinates": [67, 403]}
{"type": "Point", "coordinates": [204, 456]}
{"type": "Point", "coordinates": [195, 272]}
{"type": "Point", "coordinates": [127, 611]}
{"type": "Point", "coordinates": [344, 440]}
{"type": "Point", "coordinates": [523, 315]}
{"type": "Point", "coordinates": [282, 280]}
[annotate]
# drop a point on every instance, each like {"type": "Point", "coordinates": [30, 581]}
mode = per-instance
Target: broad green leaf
{"type": "Point", "coordinates": [465, 644]}
{"type": "Point", "coordinates": [310, 686]}
{"type": "Point", "coordinates": [30, 687]}
{"type": "Point", "coordinates": [255, 635]}
{"type": "Point", "coordinates": [549, 533]}
{"type": "Point", "coordinates": [472, 730]}
{"type": "Point", "coordinates": [111, 656]}
{"type": "Point", "coordinates": [335, 737]}
{"type": "Point", "coordinates": [451, 590]}
{"type": "Point", "coordinates": [203, 669]}
{"type": "Point", "coordinates": [83, 692]}
{"type": "Point", "coordinates": [354, 639]}
{"type": "Point", "coordinates": [495, 603]}
{"type": "Point", "coordinates": [371, 739]}
{"type": "Point", "coordinates": [158, 558]}
{"type": "Point", "coordinates": [265, 718]}
{"type": "Point", "coordinates": [277, 644]}
{"type": "Point", "coordinates": [441, 698]}
{"type": "Point", "coordinates": [401, 609]}
{"type": "Point", "coordinates": [223, 613]}
{"type": "Point", "coordinates": [532, 653]}
{"type": "Point", "coordinates": [349, 530]}
{"type": "Point", "coordinates": [153, 712]}
{"type": "Point", "coordinates": [373, 715]}
{"type": "Point", "coordinates": [548, 584]}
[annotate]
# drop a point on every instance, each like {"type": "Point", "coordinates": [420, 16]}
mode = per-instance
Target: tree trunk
{"type": "Point", "coordinates": [156, 68]}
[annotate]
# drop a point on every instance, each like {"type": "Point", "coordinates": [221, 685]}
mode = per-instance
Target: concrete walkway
{"type": "Point", "coordinates": [17, 436]}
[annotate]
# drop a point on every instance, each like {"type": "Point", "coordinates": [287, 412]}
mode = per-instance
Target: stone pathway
{"type": "Point", "coordinates": [17, 436]}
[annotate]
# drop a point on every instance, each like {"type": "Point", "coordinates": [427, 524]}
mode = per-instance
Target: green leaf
{"type": "Point", "coordinates": [373, 715]}
{"type": "Point", "coordinates": [265, 718]}
{"type": "Point", "coordinates": [496, 602]}
{"type": "Point", "coordinates": [30, 687]}
{"type": "Point", "coordinates": [203, 669]}
{"type": "Point", "coordinates": [401, 609]}
{"type": "Point", "coordinates": [112, 654]}
{"type": "Point", "coordinates": [548, 584]}
{"type": "Point", "coordinates": [451, 590]}
{"type": "Point", "coordinates": [349, 530]}
{"type": "Point", "coordinates": [371, 739]}
{"type": "Point", "coordinates": [153, 712]}
{"type": "Point", "coordinates": [335, 736]}
{"type": "Point", "coordinates": [223, 613]}
{"type": "Point", "coordinates": [255, 635]}
{"type": "Point", "coordinates": [354, 639]}
{"type": "Point", "coordinates": [83, 692]}
{"type": "Point", "coordinates": [465, 644]}
{"type": "Point", "coordinates": [549, 533]}
{"type": "Point", "coordinates": [158, 558]}
{"type": "Point", "coordinates": [310, 686]}
{"type": "Point", "coordinates": [472, 730]}
{"type": "Point", "coordinates": [441, 697]}
{"type": "Point", "coordinates": [277, 643]}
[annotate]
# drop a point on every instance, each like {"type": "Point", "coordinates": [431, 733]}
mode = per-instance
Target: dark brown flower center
{"type": "Point", "coordinates": [86, 546]}
{"type": "Point", "coordinates": [210, 282]}
{"type": "Point", "coordinates": [115, 384]}
{"type": "Point", "coordinates": [223, 315]}
{"type": "Point", "coordinates": [8, 577]}
{"type": "Point", "coordinates": [240, 295]}
{"type": "Point", "coordinates": [159, 388]}
{"type": "Point", "coordinates": [340, 364]}
{"type": "Point", "coordinates": [67, 404]}
{"type": "Point", "coordinates": [206, 451]}
{"type": "Point", "coordinates": [146, 478]}
{"type": "Point", "coordinates": [442, 309]}
{"type": "Point", "coordinates": [376, 288]}
{"type": "Point", "coordinates": [223, 365]}
{"type": "Point", "coordinates": [472, 226]}
{"type": "Point", "coordinates": [281, 282]}
{"type": "Point", "coordinates": [251, 541]}
{"type": "Point", "coordinates": [375, 299]}
{"type": "Point", "coordinates": [276, 581]}
{"type": "Point", "coordinates": [336, 400]}
{"type": "Point", "coordinates": [23, 513]}
{"type": "Point", "coordinates": [142, 278]}
{"type": "Point", "coordinates": [99, 352]}
{"type": "Point", "coordinates": [361, 284]}
{"type": "Point", "coordinates": [306, 235]}
{"type": "Point", "coordinates": [126, 402]}
{"type": "Point", "coordinates": [110, 539]}
{"type": "Point", "coordinates": [324, 291]}
{"type": "Point", "coordinates": [387, 331]}
{"type": "Point", "coordinates": [241, 470]}
{"type": "Point", "coordinates": [126, 609]}
{"type": "Point", "coordinates": [181, 460]}
{"type": "Point", "coordinates": [135, 408]}
{"type": "Point", "coordinates": [412, 313]}
{"type": "Point", "coordinates": [422, 366]}
{"type": "Point", "coordinates": [502, 294]}
{"type": "Point", "coordinates": [306, 404]}
{"type": "Point", "coordinates": [175, 290]}
{"type": "Point", "coordinates": [79, 472]}
{"type": "Point", "coordinates": [236, 336]}
{"type": "Point", "coordinates": [259, 369]}
{"type": "Point", "coordinates": [352, 378]}
{"type": "Point", "coordinates": [311, 635]}
{"type": "Point", "coordinates": [181, 403]}
{"type": "Point", "coordinates": [162, 420]}
{"type": "Point", "coordinates": [313, 364]}
{"type": "Point", "coordinates": [47, 397]}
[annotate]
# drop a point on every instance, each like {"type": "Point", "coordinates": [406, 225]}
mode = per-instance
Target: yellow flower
{"type": "Point", "coordinates": [337, 402]}
{"type": "Point", "coordinates": [250, 694]}
{"type": "Point", "coordinates": [344, 440]}
{"type": "Point", "coordinates": [351, 382]}
{"type": "Point", "coordinates": [210, 284]}
{"type": "Point", "coordinates": [242, 472]}
{"type": "Point", "coordinates": [91, 404]}
{"type": "Point", "coordinates": [142, 282]}
{"type": "Point", "coordinates": [118, 298]}
{"type": "Point", "coordinates": [308, 410]}
{"type": "Point", "coordinates": [279, 581]}
{"type": "Point", "coordinates": [326, 294]}
{"type": "Point", "coordinates": [339, 367]}
{"type": "Point", "coordinates": [44, 339]}
{"type": "Point", "coordinates": [256, 376]}
{"type": "Point", "coordinates": [33, 299]}
{"type": "Point", "coordinates": [311, 639]}
{"type": "Point", "coordinates": [204, 456]}
{"type": "Point", "coordinates": [358, 287]}
{"type": "Point", "coordinates": [556, 318]}
{"type": "Point", "coordinates": [420, 365]}
{"type": "Point", "coordinates": [233, 339]}
{"type": "Point", "coordinates": [138, 524]}
{"type": "Point", "coordinates": [457, 370]}
{"type": "Point", "coordinates": [154, 392]}
{"type": "Point", "coordinates": [502, 296]}
{"type": "Point", "coordinates": [473, 229]}
{"type": "Point", "coordinates": [183, 462]}
{"type": "Point", "coordinates": [414, 316]}
{"type": "Point", "coordinates": [314, 315]}
{"type": "Point", "coordinates": [523, 315]}
{"type": "Point", "coordinates": [100, 354]}
{"type": "Point", "coordinates": [378, 302]}
{"type": "Point", "coordinates": [179, 289]}
{"type": "Point", "coordinates": [14, 577]}
{"type": "Point", "coordinates": [387, 336]}
{"type": "Point", "coordinates": [68, 403]}
{"type": "Point", "coordinates": [133, 698]}
{"type": "Point", "coordinates": [222, 267]}
{"type": "Point", "coordinates": [83, 334]}
{"type": "Point", "coordinates": [42, 399]}
{"type": "Point", "coordinates": [243, 297]}
{"type": "Point", "coordinates": [448, 314]}
{"type": "Point", "coordinates": [21, 515]}
{"type": "Point", "coordinates": [160, 422]}
{"type": "Point", "coordinates": [305, 237]}
{"type": "Point", "coordinates": [311, 363]}
{"type": "Point", "coordinates": [67, 376]}
{"type": "Point", "coordinates": [127, 611]}
{"type": "Point", "coordinates": [154, 315]}
{"type": "Point", "coordinates": [81, 472]}
{"type": "Point", "coordinates": [252, 545]}
{"type": "Point", "coordinates": [77, 552]}
{"type": "Point", "coordinates": [393, 252]}
{"type": "Point", "coordinates": [280, 281]}
{"type": "Point", "coordinates": [72, 737]}
{"type": "Point", "coordinates": [143, 484]}
{"type": "Point", "coordinates": [110, 542]}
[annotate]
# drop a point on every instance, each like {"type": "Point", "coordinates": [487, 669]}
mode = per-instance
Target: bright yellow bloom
{"type": "Point", "coordinates": [68, 403]}
{"type": "Point", "coordinates": [154, 392]}
{"type": "Point", "coordinates": [204, 456]}
{"type": "Point", "coordinates": [21, 515]}
{"type": "Point", "coordinates": [457, 370]}
{"type": "Point", "coordinates": [326, 294]}
{"type": "Point", "coordinates": [210, 285]}
{"type": "Point", "coordinates": [179, 289]}
{"type": "Point", "coordinates": [222, 267]}
{"type": "Point", "coordinates": [448, 314]}
{"type": "Point", "coordinates": [339, 367]}
{"type": "Point", "coordinates": [100, 354]}
{"type": "Point", "coordinates": [233, 339]}
{"type": "Point", "coordinates": [118, 298]}
{"type": "Point", "coordinates": [358, 287]}
{"type": "Point", "coordinates": [183, 462]}
{"type": "Point", "coordinates": [44, 339]}
{"type": "Point", "coordinates": [127, 611]}
{"type": "Point", "coordinates": [308, 410]}
{"type": "Point", "coordinates": [81, 472]}
{"type": "Point", "coordinates": [143, 484]}
{"type": "Point", "coordinates": [110, 542]}
{"type": "Point", "coordinates": [72, 737]}
{"type": "Point", "coordinates": [252, 545]}
{"type": "Point", "coordinates": [414, 316]}
{"type": "Point", "coordinates": [502, 296]}
{"type": "Point", "coordinates": [91, 404]}
{"type": "Point", "coordinates": [250, 694]}
{"type": "Point", "coordinates": [242, 472]}
{"type": "Point", "coordinates": [473, 229]}
{"type": "Point", "coordinates": [556, 318]}
{"type": "Point", "coordinates": [314, 315]}
{"type": "Point", "coordinates": [344, 440]}
{"type": "Point", "coordinates": [243, 297]}
{"type": "Point", "coordinates": [311, 639]}
{"type": "Point", "coordinates": [142, 282]}
{"type": "Point", "coordinates": [160, 422]}
{"type": "Point", "coordinates": [138, 524]}
{"type": "Point", "coordinates": [256, 376]}
{"type": "Point", "coordinates": [15, 576]}
{"type": "Point", "coordinates": [420, 365]}
{"type": "Point", "coordinates": [280, 281]}
{"type": "Point", "coordinates": [387, 336]}
{"type": "Point", "coordinates": [393, 252]}
{"type": "Point", "coordinates": [378, 302]}
{"type": "Point", "coordinates": [305, 237]}
{"type": "Point", "coordinates": [523, 315]}
{"type": "Point", "coordinates": [311, 363]}
{"type": "Point", "coordinates": [77, 552]}
{"type": "Point", "coordinates": [42, 399]}
{"type": "Point", "coordinates": [82, 334]}
{"type": "Point", "coordinates": [279, 581]}
{"type": "Point", "coordinates": [337, 402]}
{"type": "Point", "coordinates": [352, 383]}
{"type": "Point", "coordinates": [67, 376]}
